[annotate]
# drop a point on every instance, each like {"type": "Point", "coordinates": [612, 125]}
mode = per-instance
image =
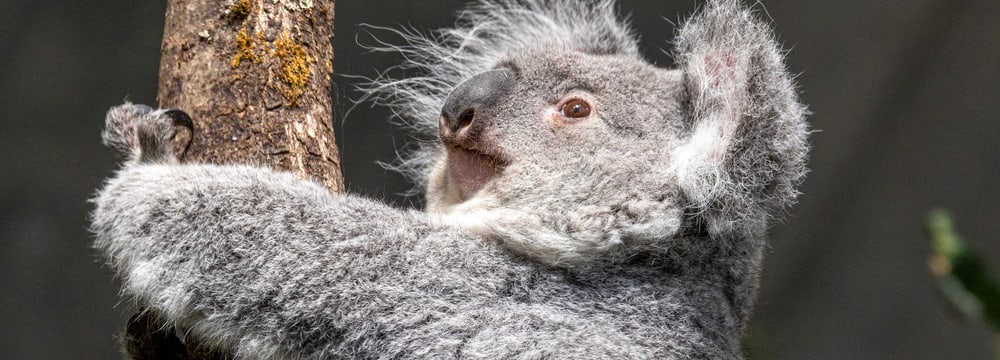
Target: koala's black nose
{"type": "Point", "coordinates": [472, 98]}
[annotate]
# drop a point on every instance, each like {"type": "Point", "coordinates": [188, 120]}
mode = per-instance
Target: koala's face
{"type": "Point", "coordinates": [548, 128]}
{"type": "Point", "coordinates": [562, 155]}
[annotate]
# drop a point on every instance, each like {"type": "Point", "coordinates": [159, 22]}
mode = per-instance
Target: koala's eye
{"type": "Point", "coordinates": [576, 108]}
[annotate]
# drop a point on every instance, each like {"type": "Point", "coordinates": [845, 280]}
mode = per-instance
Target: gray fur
{"type": "Point", "coordinates": [636, 232]}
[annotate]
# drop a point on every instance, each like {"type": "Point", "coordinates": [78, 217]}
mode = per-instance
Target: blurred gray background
{"type": "Point", "coordinates": [906, 101]}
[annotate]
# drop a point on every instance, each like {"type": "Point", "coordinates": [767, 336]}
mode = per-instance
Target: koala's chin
{"type": "Point", "coordinates": [470, 170]}
{"type": "Point", "coordinates": [460, 176]}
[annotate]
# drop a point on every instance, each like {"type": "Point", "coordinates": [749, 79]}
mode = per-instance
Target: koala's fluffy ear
{"type": "Point", "coordinates": [745, 143]}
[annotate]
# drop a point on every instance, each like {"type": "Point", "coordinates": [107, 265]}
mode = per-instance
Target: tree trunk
{"type": "Point", "coordinates": [255, 77]}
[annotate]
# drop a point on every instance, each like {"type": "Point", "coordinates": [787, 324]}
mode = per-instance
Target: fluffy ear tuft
{"type": "Point", "coordinates": [746, 144]}
{"type": "Point", "coordinates": [721, 50]}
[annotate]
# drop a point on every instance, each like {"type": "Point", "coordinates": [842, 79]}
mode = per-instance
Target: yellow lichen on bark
{"type": "Point", "coordinates": [294, 65]}
{"type": "Point", "coordinates": [245, 45]}
{"type": "Point", "coordinates": [240, 9]}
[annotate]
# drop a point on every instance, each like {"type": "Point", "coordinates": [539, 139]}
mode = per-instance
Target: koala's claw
{"type": "Point", "coordinates": [179, 117]}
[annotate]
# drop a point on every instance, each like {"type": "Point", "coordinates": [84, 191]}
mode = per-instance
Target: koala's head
{"type": "Point", "coordinates": [561, 153]}
{"type": "Point", "coordinates": [551, 134]}
{"type": "Point", "coordinates": [547, 122]}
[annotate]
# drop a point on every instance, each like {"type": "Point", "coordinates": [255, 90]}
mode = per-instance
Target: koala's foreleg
{"type": "Point", "coordinates": [272, 266]}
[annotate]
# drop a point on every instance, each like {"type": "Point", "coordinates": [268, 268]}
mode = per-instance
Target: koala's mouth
{"type": "Point", "coordinates": [470, 169]}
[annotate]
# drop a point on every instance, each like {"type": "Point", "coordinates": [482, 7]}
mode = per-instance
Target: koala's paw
{"type": "Point", "coordinates": [141, 134]}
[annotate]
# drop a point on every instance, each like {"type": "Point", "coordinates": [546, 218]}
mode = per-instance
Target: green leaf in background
{"type": "Point", "coordinates": [963, 276]}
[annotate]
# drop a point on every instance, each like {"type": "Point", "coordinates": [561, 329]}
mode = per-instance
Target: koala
{"type": "Point", "coordinates": [581, 202]}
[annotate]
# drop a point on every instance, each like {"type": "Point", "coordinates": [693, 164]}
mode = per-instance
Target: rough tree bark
{"type": "Point", "coordinates": [255, 77]}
